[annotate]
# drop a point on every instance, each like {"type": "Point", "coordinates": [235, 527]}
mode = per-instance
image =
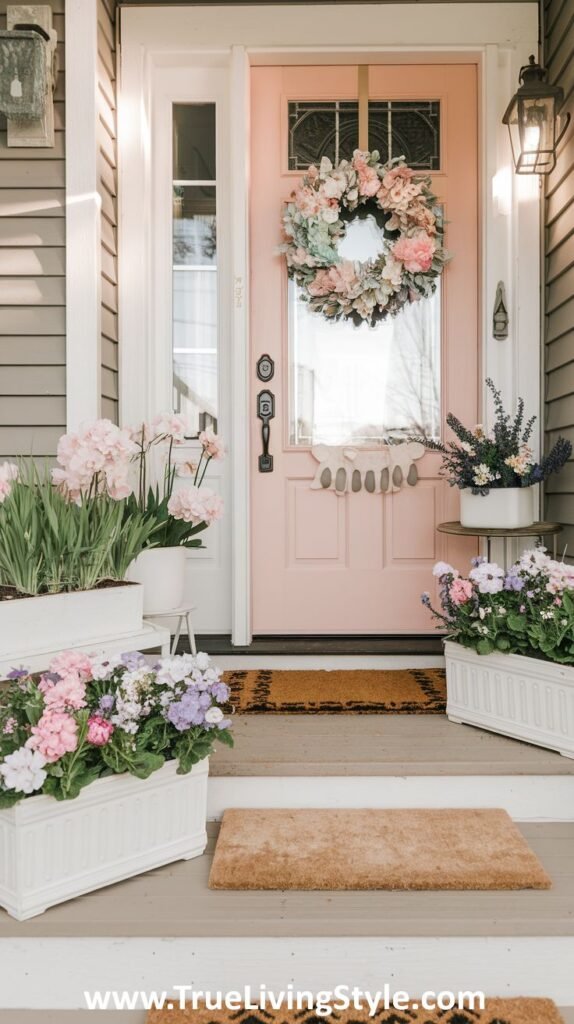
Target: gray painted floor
{"type": "Point", "coordinates": [376, 745]}
{"type": "Point", "coordinates": [174, 901]}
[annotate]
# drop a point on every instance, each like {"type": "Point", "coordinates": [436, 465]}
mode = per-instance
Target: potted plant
{"type": "Point", "coordinates": [510, 647]}
{"type": "Point", "coordinates": [63, 557]}
{"type": "Point", "coordinates": [106, 759]}
{"type": "Point", "coordinates": [496, 470]}
{"type": "Point", "coordinates": [177, 511]}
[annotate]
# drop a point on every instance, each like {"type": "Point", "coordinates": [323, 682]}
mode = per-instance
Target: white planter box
{"type": "Point", "coordinates": [120, 826]}
{"type": "Point", "coordinates": [504, 508]}
{"type": "Point", "coordinates": [525, 698]}
{"type": "Point", "coordinates": [61, 621]}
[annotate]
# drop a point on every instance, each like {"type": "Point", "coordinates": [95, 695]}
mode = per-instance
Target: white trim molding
{"type": "Point", "coordinates": [83, 220]}
{"type": "Point", "coordinates": [497, 37]}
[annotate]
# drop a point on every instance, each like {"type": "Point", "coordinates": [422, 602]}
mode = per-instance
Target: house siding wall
{"type": "Point", "coordinates": [559, 269]}
{"type": "Point", "coordinates": [32, 284]}
{"type": "Point", "coordinates": [107, 177]}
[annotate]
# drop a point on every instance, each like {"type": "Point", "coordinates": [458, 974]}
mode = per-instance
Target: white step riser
{"type": "Point", "coordinates": [64, 969]}
{"type": "Point", "coordinates": [524, 797]}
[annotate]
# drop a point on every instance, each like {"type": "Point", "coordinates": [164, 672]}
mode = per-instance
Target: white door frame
{"type": "Point", "coordinates": [497, 37]}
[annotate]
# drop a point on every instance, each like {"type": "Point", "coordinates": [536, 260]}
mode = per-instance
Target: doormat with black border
{"type": "Point", "coordinates": [405, 691]}
{"type": "Point", "coordinates": [497, 1011]}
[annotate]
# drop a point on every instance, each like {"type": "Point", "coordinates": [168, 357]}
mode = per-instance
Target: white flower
{"type": "Point", "coordinates": [482, 475]}
{"type": "Point", "coordinates": [330, 215]}
{"type": "Point", "coordinates": [213, 716]}
{"type": "Point", "coordinates": [443, 569]}
{"type": "Point", "coordinates": [102, 665]}
{"type": "Point", "coordinates": [202, 661]}
{"type": "Point", "coordinates": [489, 577]}
{"type": "Point", "coordinates": [24, 770]}
{"type": "Point", "coordinates": [534, 560]}
{"type": "Point", "coordinates": [466, 447]}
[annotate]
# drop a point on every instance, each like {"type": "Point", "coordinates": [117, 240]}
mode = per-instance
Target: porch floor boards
{"type": "Point", "coordinates": [372, 745]}
{"type": "Point", "coordinates": [174, 902]}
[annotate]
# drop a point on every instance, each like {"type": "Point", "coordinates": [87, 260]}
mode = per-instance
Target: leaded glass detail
{"type": "Point", "coordinates": [409, 128]}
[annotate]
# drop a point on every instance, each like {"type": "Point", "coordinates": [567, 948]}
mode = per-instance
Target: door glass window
{"type": "Point", "coordinates": [409, 128]}
{"type": "Point", "coordinates": [195, 265]}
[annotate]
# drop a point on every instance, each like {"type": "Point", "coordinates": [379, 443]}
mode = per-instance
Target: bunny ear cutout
{"type": "Point", "coordinates": [350, 453]}
{"type": "Point", "coordinates": [416, 450]}
{"type": "Point", "coordinates": [320, 452]}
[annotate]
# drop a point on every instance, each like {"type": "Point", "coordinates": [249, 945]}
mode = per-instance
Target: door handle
{"type": "Point", "coordinates": [265, 412]}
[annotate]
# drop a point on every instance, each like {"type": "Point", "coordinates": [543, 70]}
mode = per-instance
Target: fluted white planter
{"type": "Point", "coordinates": [119, 826]}
{"type": "Point", "coordinates": [162, 573]}
{"type": "Point", "coordinates": [503, 508]}
{"type": "Point", "coordinates": [526, 698]}
{"type": "Point", "coordinates": [52, 622]}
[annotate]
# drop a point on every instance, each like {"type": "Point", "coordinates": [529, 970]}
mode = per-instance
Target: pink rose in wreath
{"type": "Point", "coordinates": [415, 253]}
{"type": "Point", "coordinates": [369, 181]}
{"type": "Point", "coordinates": [341, 279]}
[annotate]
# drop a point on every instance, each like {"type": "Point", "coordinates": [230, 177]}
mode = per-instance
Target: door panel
{"type": "Point", "coordinates": [355, 564]}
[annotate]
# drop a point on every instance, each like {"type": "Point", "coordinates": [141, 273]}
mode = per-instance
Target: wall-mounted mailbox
{"type": "Point", "coordinates": [28, 72]}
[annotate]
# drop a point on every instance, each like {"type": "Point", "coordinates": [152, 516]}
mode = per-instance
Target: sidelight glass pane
{"type": "Point", "coordinates": [195, 266]}
{"type": "Point", "coordinates": [361, 385]}
{"type": "Point", "coordinates": [194, 141]}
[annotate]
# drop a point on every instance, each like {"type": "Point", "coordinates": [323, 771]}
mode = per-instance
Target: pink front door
{"type": "Point", "coordinates": [325, 564]}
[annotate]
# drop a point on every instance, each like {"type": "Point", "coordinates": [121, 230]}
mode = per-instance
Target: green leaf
{"type": "Point", "coordinates": [484, 646]}
{"type": "Point", "coordinates": [9, 797]}
{"type": "Point", "coordinates": [517, 623]}
{"type": "Point", "coordinates": [503, 643]}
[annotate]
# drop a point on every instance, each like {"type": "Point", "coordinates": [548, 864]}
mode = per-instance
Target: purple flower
{"type": "Point", "coordinates": [477, 560]}
{"type": "Point", "coordinates": [133, 660]}
{"type": "Point", "coordinates": [17, 673]}
{"type": "Point", "coordinates": [530, 594]}
{"type": "Point", "coordinates": [225, 723]}
{"type": "Point", "coordinates": [513, 582]}
{"type": "Point", "coordinates": [220, 691]}
{"type": "Point", "coordinates": [425, 598]}
{"type": "Point", "coordinates": [107, 702]}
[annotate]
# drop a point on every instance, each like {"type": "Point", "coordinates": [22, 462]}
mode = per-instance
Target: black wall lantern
{"type": "Point", "coordinates": [534, 121]}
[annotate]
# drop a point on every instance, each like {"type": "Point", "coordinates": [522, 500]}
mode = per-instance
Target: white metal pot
{"type": "Point", "coordinates": [118, 827]}
{"type": "Point", "coordinates": [162, 572]}
{"type": "Point", "coordinates": [526, 698]}
{"type": "Point", "coordinates": [503, 508]}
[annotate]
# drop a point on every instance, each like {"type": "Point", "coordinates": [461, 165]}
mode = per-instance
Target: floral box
{"type": "Point", "coordinates": [526, 698]}
{"type": "Point", "coordinates": [117, 827]}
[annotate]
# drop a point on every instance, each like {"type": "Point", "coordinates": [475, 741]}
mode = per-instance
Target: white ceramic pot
{"type": "Point", "coordinates": [526, 698]}
{"type": "Point", "coordinates": [503, 508]}
{"type": "Point", "coordinates": [57, 622]}
{"type": "Point", "coordinates": [118, 827]}
{"type": "Point", "coordinates": [162, 572]}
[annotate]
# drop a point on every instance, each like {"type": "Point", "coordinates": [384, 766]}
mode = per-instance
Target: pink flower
{"type": "Point", "coordinates": [94, 459]}
{"type": "Point", "coordinates": [55, 734]}
{"type": "Point", "coordinates": [196, 505]}
{"type": "Point", "coordinates": [212, 444]}
{"type": "Point", "coordinates": [99, 730]}
{"type": "Point", "coordinates": [415, 253]}
{"type": "Point", "coordinates": [369, 181]}
{"type": "Point", "coordinates": [8, 473]}
{"type": "Point", "coordinates": [68, 662]}
{"type": "Point", "coordinates": [341, 279]}
{"type": "Point", "coordinates": [9, 726]}
{"type": "Point", "coordinates": [68, 694]}
{"type": "Point", "coordinates": [460, 591]}
{"type": "Point", "coordinates": [173, 425]}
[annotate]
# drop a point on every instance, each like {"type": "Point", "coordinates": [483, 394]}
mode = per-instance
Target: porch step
{"type": "Point", "coordinates": [508, 943]}
{"type": "Point", "coordinates": [386, 761]}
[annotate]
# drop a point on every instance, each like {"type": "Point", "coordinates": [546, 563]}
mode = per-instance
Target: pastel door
{"type": "Point", "coordinates": [322, 563]}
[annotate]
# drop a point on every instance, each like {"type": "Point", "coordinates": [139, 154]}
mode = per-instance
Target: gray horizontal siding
{"type": "Point", "coordinates": [107, 177]}
{"type": "Point", "coordinates": [32, 284]}
{"type": "Point", "coordinates": [559, 272]}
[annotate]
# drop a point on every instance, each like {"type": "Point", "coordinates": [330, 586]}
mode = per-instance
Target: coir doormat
{"type": "Point", "coordinates": [346, 692]}
{"type": "Point", "coordinates": [497, 1011]}
{"type": "Point", "coordinates": [373, 849]}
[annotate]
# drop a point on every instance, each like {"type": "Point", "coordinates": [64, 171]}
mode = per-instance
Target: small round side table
{"type": "Point", "coordinates": [540, 529]}
{"type": "Point", "coordinates": [180, 614]}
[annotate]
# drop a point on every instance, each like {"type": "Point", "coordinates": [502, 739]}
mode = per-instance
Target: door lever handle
{"type": "Point", "coordinates": [265, 412]}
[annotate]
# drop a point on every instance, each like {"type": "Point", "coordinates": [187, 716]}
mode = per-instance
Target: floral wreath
{"type": "Point", "coordinates": [406, 211]}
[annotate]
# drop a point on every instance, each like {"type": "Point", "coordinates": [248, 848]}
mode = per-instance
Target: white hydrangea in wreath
{"type": "Point", "coordinates": [410, 222]}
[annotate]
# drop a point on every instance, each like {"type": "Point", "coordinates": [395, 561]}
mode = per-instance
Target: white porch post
{"type": "Point", "coordinates": [83, 224]}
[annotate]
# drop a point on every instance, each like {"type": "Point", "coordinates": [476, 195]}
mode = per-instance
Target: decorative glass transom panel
{"type": "Point", "coordinates": [409, 128]}
{"type": "Point", "coordinates": [194, 252]}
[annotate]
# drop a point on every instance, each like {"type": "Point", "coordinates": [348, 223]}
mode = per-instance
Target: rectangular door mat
{"type": "Point", "coordinates": [497, 1011]}
{"type": "Point", "coordinates": [406, 691]}
{"type": "Point", "coordinates": [373, 849]}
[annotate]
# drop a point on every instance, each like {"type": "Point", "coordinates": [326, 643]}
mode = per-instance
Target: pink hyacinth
{"type": "Point", "coordinates": [460, 591]}
{"type": "Point", "coordinates": [196, 505]}
{"type": "Point", "coordinates": [212, 444]}
{"type": "Point", "coordinates": [55, 734]}
{"type": "Point", "coordinates": [68, 662]}
{"type": "Point", "coordinates": [96, 455]}
{"type": "Point", "coordinates": [99, 730]}
{"type": "Point", "coordinates": [8, 473]}
{"type": "Point", "coordinates": [415, 253]}
{"type": "Point", "coordinates": [174, 425]}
